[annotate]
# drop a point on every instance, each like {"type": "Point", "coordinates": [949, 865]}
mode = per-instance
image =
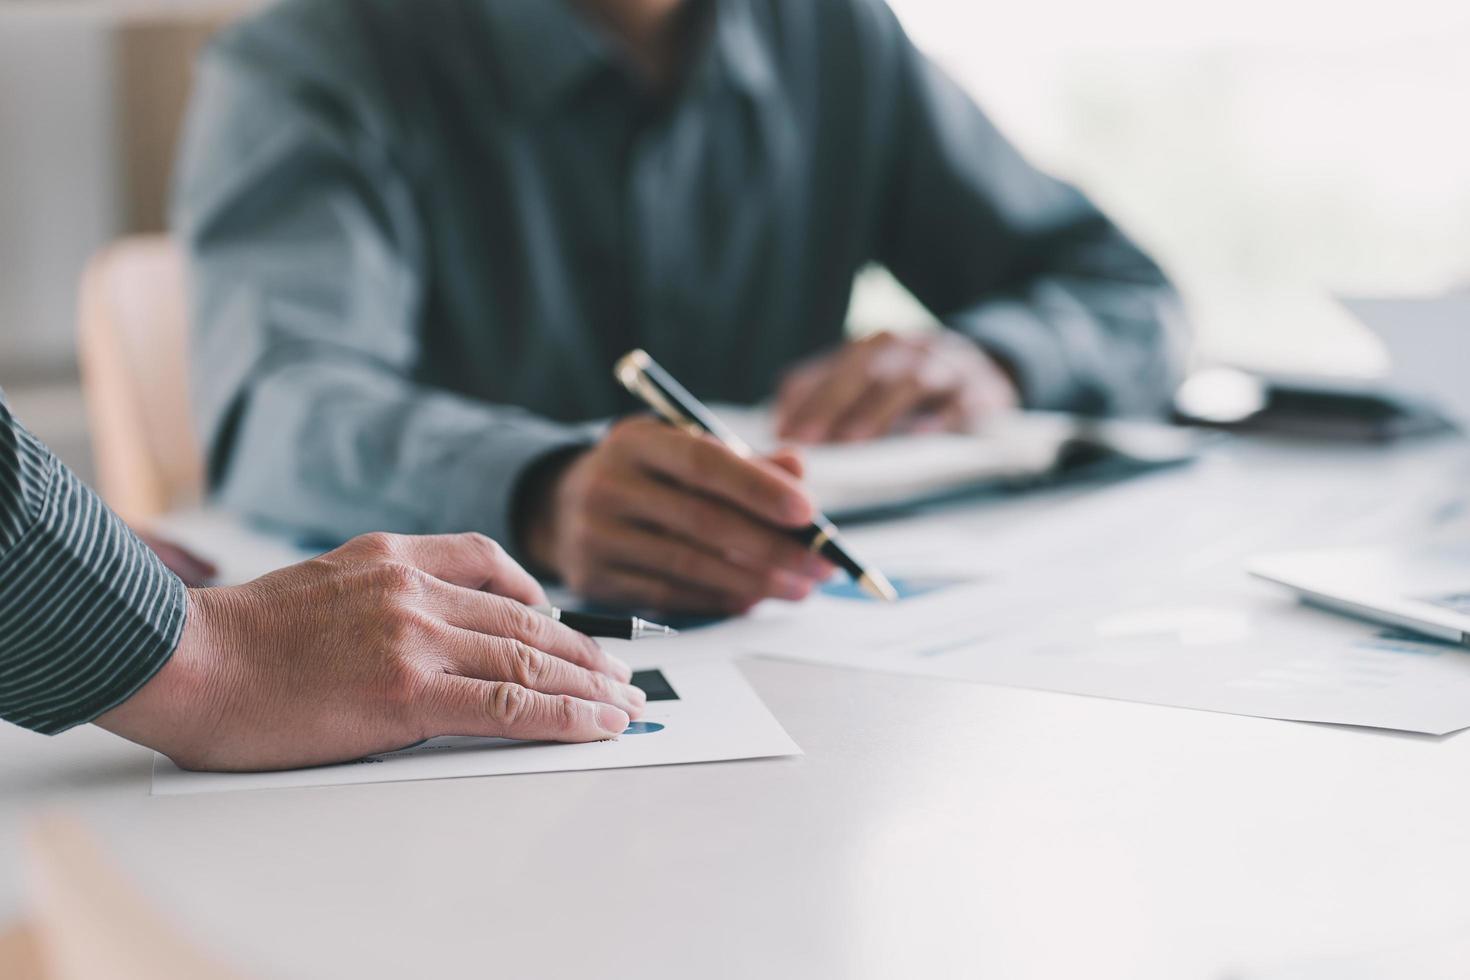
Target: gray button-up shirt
{"type": "Point", "coordinates": [421, 231]}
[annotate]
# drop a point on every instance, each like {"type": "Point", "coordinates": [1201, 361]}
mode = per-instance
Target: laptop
{"type": "Point", "coordinates": [1427, 339]}
{"type": "Point", "coordinates": [1426, 590]}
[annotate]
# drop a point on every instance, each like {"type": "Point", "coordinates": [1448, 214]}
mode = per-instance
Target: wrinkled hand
{"type": "Point", "coordinates": [386, 641]}
{"type": "Point", "coordinates": [656, 518]}
{"type": "Point", "coordinates": [887, 383]}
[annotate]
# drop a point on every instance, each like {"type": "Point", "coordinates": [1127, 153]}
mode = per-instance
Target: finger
{"type": "Point", "coordinates": [725, 530]}
{"type": "Point", "coordinates": [494, 615]}
{"type": "Point", "coordinates": [499, 658]}
{"type": "Point", "coordinates": [754, 485]}
{"type": "Point", "coordinates": [840, 404]}
{"type": "Point", "coordinates": [804, 409]}
{"type": "Point", "coordinates": [958, 403]}
{"type": "Point", "coordinates": [880, 414]}
{"type": "Point", "coordinates": [682, 560]}
{"type": "Point", "coordinates": [998, 395]}
{"type": "Point", "coordinates": [456, 705]}
{"type": "Point", "coordinates": [470, 560]}
{"type": "Point", "coordinates": [844, 387]}
{"type": "Point", "coordinates": [803, 399]}
{"type": "Point", "coordinates": [795, 389]}
{"type": "Point", "coordinates": [636, 589]}
{"type": "Point", "coordinates": [929, 422]}
{"type": "Point", "coordinates": [970, 408]}
{"type": "Point", "coordinates": [950, 415]}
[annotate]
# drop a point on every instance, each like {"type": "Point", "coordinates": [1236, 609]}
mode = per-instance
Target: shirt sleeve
{"type": "Point", "coordinates": [87, 613]}
{"type": "Point", "coordinates": [1021, 262]}
{"type": "Point", "coordinates": [307, 315]}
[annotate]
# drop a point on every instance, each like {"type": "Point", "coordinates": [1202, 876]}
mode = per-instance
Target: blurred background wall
{"type": "Point", "coordinates": [90, 97]}
{"type": "Point", "coordinates": [1271, 152]}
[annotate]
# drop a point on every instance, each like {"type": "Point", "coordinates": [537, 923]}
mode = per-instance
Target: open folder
{"type": "Point", "coordinates": [868, 479]}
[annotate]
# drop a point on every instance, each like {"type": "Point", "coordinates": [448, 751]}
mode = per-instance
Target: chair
{"type": "Point", "coordinates": [133, 339]}
{"type": "Point", "coordinates": [132, 318]}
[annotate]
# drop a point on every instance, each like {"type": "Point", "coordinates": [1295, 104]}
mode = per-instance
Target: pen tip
{"type": "Point", "coordinates": [879, 586]}
{"type": "Point", "coordinates": [644, 627]}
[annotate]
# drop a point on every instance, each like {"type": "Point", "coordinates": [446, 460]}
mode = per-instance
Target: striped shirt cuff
{"type": "Point", "coordinates": [88, 614]}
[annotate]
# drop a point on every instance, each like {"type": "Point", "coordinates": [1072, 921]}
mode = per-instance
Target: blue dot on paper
{"type": "Point", "coordinates": [907, 588]}
{"type": "Point", "coordinates": [642, 728]}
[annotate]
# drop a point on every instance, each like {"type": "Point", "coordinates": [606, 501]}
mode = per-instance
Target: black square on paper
{"type": "Point", "coordinates": [653, 683]}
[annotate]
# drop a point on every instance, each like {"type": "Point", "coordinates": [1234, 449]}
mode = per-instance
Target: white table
{"type": "Point", "coordinates": [932, 829]}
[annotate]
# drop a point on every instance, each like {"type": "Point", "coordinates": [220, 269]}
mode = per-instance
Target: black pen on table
{"type": "Point", "coordinates": [612, 627]}
{"type": "Point", "coordinates": [657, 389]}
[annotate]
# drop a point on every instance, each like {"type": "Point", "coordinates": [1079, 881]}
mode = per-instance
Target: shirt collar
{"type": "Point", "coordinates": [547, 50]}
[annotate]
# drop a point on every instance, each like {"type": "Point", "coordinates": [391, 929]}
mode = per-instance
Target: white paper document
{"type": "Point", "coordinates": [1136, 593]}
{"type": "Point", "coordinates": [699, 711]}
{"type": "Point", "coordinates": [1257, 654]}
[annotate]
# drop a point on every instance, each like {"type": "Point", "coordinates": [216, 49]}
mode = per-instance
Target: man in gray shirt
{"type": "Point", "coordinates": [421, 231]}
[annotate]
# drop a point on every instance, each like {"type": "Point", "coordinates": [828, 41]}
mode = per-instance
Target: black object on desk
{"type": "Point", "coordinates": [611, 627]}
{"type": "Point", "coordinates": [1333, 409]}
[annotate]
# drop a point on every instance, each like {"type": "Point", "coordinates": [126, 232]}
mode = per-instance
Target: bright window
{"type": "Point", "coordinates": [1270, 152]}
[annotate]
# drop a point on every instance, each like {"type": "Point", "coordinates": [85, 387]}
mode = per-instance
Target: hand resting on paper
{"type": "Point", "coordinates": [383, 642]}
{"type": "Point", "coordinates": [887, 382]}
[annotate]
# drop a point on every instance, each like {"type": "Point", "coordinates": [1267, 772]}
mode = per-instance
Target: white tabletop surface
{"type": "Point", "coordinates": [932, 829]}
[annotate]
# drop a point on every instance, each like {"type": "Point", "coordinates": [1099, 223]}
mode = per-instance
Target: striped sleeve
{"type": "Point", "coordinates": [87, 613]}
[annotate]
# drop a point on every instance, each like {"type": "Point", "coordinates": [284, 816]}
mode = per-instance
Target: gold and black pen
{"type": "Point", "coordinates": [657, 389]}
